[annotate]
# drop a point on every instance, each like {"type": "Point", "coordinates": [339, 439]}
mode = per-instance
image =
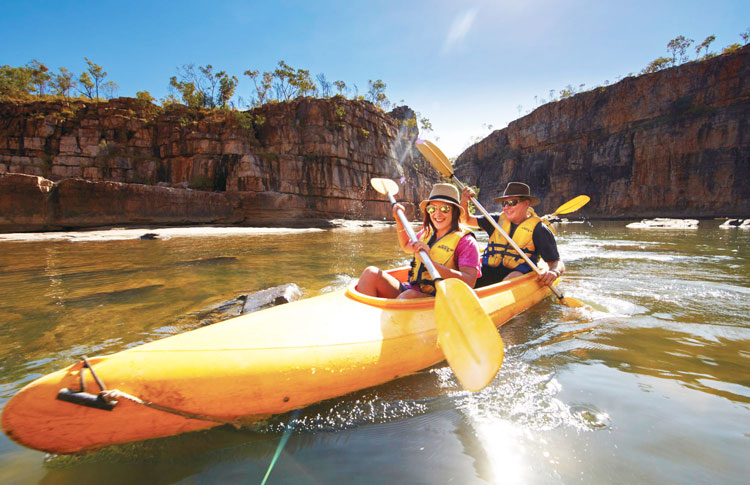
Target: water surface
{"type": "Point", "coordinates": [649, 385]}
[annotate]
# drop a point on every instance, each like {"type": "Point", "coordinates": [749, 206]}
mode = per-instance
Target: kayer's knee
{"type": "Point", "coordinates": [370, 272]}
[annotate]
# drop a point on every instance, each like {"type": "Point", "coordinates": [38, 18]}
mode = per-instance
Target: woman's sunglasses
{"type": "Point", "coordinates": [445, 209]}
{"type": "Point", "coordinates": [510, 203]}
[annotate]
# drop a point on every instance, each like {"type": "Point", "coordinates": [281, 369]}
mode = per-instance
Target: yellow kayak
{"type": "Point", "coordinates": [243, 369]}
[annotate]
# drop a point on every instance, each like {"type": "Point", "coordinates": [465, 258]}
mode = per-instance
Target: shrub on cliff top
{"type": "Point", "coordinates": [202, 88]}
{"type": "Point", "coordinates": [15, 82]}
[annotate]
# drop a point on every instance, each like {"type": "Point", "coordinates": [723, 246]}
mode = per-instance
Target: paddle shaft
{"type": "Point", "coordinates": [413, 238]}
{"type": "Point", "coordinates": [492, 220]}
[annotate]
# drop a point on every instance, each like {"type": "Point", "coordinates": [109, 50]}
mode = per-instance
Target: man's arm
{"type": "Point", "coordinates": [546, 246]}
{"type": "Point", "coordinates": [467, 218]}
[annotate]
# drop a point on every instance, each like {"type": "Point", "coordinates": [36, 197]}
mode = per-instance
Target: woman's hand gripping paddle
{"type": "Point", "coordinates": [467, 336]}
{"type": "Point", "coordinates": [441, 163]}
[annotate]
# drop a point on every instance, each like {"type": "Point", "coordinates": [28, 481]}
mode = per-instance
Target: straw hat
{"type": "Point", "coordinates": [444, 193]}
{"type": "Point", "coordinates": [517, 189]}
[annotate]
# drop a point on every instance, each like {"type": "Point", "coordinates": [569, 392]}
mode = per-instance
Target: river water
{"type": "Point", "coordinates": [650, 384]}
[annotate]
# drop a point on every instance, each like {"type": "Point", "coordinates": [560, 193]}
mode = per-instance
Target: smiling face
{"type": "Point", "coordinates": [515, 209]}
{"type": "Point", "coordinates": [441, 214]}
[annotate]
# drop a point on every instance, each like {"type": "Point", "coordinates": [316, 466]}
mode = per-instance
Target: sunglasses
{"type": "Point", "coordinates": [510, 203]}
{"type": "Point", "coordinates": [445, 209]}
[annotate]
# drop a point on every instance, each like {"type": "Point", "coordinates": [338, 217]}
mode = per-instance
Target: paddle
{"type": "Point", "coordinates": [467, 336]}
{"type": "Point", "coordinates": [441, 163]}
{"type": "Point", "coordinates": [570, 206]}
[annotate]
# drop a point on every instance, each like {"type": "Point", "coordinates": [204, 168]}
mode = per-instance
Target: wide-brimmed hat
{"type": "Point", "coordinates": [444, 193]}
{"type": "Point", "coordinates": [517, 189]}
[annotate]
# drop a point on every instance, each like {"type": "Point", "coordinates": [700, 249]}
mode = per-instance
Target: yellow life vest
{"type": "Point", "coordinates": [500, 252]}
{"type": "Point", "coordinates": [441, 251]}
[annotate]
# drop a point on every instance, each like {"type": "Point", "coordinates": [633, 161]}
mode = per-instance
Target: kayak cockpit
{"type": "Point", "coordinates": [402, 274]}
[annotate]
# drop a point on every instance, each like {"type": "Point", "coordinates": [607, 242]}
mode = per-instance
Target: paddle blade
{"type": "Point", "coordinates": [439, 153]}
{"type": "Point", "coordinates": [469, 339]}
{"type": "Point", "coordinates": [433, 155]}
{"type": "Point", "coordinates": [384, 186]}
{"type": "Point", "coordinates": [571, 302]}
{"type": "Point", "coordinates": [572, 205]}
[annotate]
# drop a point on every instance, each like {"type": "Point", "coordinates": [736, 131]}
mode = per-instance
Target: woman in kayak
{"type": "Point", "coordinates": [453, 251]}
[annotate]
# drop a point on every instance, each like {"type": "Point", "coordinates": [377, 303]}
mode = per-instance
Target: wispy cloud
{"type": "Point", "coordinates": [460, 27]}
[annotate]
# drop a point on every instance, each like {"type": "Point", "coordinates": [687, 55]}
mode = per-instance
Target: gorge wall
{"type": "Point", "coordinates": [675, 143]}
{"type": "Point", "coordinates": [128, 162]}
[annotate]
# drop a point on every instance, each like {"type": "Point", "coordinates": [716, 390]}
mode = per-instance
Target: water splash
{"type": "Point", "coordinates": [526, 398]}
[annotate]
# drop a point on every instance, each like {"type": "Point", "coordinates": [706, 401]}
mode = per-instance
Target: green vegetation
{"type": "Point", "coordinates": [93, 78]}
{"type": "Point", "coordinates": [35, 79]}
{"type": "Point", "coordinates": [198, 87]}
{"type": "Point", "coordinates": [202, 88]}
{"type": "Point", "coordinates": [376, 94]}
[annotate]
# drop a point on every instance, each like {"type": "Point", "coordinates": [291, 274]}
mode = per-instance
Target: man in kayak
{"type": "Point", "coordinates": [454, 252]}
{"type": "Point", "coordinates": [500, 261]}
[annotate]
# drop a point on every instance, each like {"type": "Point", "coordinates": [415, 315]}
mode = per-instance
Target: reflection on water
{"type": "Point", "coordinates": [649, 385]}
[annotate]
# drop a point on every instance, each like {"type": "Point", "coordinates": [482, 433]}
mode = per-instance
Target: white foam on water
{"type": "Point", "coordinates": [509, 414]}
{"type": "Point", "coordinates": [120, 234]}
{"type": "Point", "coordinates": [336, 415]}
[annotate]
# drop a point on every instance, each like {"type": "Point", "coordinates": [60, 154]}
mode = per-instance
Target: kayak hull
{"type": "Point", "coordinates": [246, 368]}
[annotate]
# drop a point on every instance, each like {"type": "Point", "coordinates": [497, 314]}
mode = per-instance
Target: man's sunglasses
{"type": "Point", "coordinates": [445, 209]}
{"type": "Point", "coordinates": [510, 203]}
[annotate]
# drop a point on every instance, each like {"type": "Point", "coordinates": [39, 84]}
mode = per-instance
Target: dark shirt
{"type": "Point", "coordinates": [544, 246]}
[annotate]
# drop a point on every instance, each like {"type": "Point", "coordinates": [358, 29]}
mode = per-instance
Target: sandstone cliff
{"type": "Point", "coordinates": [126, 162]}
{"type": "Point", "coordinates": [673, 143]}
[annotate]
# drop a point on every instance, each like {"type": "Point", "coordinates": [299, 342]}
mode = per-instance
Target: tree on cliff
{"type": "Point", "coordinates": [39, 76]}
{"type": "Point", "coordinates": [262, 86]}
{"type": "Point", "coordinates": [340, 87]}
{"type": "Point", "coordinates": [677, 47]}
{"type": "Point", "coordinates": [291, 83]}
{"type": "Point", "coordinates": [227, 86]}
{"type": "Point", "coordinates": [325, 85]}
{"type": "Point", "coordinates": [657, 65]}
{"type": "Point", "coordinates": [376, 94]}
{"type": "Point", "coordinates": [63, 83]}
{"type": "Point", "coordinates": [426, 124]}
{"type": "Point", "coordinates": [15, 82]}
{"type": "Point", "coordinates": [145, 97]}
{"type": "Point", "coordinates": [704, 45]}
{"type": "Point", "coordinates": [92, 79]}
{"type": "Point", "coordinates": [19, 82]}
{"type": "Point", "coordinates": [283, 84]}
{"type": "Point", "coordinates": [202, 88]}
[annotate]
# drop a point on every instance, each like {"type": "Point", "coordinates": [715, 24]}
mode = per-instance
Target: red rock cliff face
{"type": "Point", "coordinates": [673, 143]}
{"type": "Point", "coordinates": [126, 162]}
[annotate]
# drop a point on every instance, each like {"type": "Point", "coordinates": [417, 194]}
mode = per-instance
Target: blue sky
{"type": "Point", "coordinates": [465, 65]}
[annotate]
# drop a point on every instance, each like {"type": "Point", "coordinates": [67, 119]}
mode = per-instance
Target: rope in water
{"type": "Point", "coordinates": [111, 395]}
{"type": "Point", "coordinates": [288, 430]}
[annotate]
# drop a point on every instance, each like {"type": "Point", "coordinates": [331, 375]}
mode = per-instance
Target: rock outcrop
{"type": "Point", "coordinates": [126, 162]}
{"type": "Point", "coordinates": [674, 143]}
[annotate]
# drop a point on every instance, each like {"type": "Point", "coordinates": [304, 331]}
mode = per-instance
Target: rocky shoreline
{"type": "Point", "coordinates": [162, 233]}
